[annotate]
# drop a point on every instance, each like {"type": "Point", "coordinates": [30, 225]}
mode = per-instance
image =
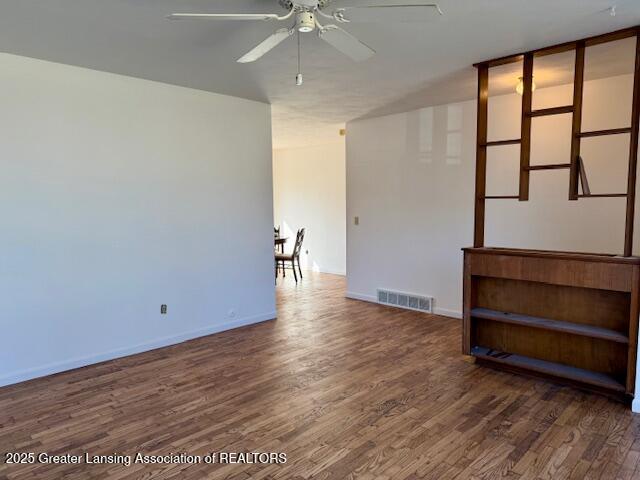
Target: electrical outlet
{"type": "Point", "coordinates": [231, 313]}
{"type": "Point", "coordinates": [356, 220]}
{"type": "Point", "coordinates": [163, 309]}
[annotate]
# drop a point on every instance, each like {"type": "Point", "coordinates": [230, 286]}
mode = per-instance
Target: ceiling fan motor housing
{"type": "Point", "coordinates": [305, 22]}
{"type": "Point", "coordinates": [311, 4]}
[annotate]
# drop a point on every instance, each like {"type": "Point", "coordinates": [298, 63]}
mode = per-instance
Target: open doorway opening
{"type": "Point", "coordinates": [309, 197]}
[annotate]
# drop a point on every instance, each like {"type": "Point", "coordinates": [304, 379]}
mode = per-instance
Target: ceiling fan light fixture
{"type": "Point", "coordinates": [305, 22]}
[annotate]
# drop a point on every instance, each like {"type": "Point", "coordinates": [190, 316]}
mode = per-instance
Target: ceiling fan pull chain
{"type": "Point", "coordinates": [299, 75]}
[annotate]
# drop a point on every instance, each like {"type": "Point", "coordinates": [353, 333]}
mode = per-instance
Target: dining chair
{"type": "Point", "coordinates": [292, 257]}
{"type": "Point", "coordinates": [276, 234]}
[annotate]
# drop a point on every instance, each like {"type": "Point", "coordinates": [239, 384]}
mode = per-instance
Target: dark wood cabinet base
{"type": "Point", "coordinates": [565, 316]}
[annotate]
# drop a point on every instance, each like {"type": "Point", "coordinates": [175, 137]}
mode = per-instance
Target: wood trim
{"type": "Point", "coordinates": [587, 257]}
{"type": "Point", "coordinates": [525, 133]}
{"type": "Point", "coordinates": [612, 36]}
{"type": "Point", "coordinates": [563, 47]}
{"type": "Point", "coordinates": [599, 133]}
{"type": "Point", "coordinates": [576, 127]}
{"type": "Point", "coordinates": [633, 156]}
{"type": "Point", "coordinates": [602, 195]}
{"type": "Point", "coordinates": [543, 112]}
{"type": "Point", "coordinates": [582, 329]}
{"type": "Point", "coordinates": [554, 271]}
{"type": "Point", "coordinates": [550, 369]}
{"type": "Point", "coordinates": [550, 166]}
{"type": "Point", "coordinates": [466, 307]}
{"type": "Point", "coordinates": [497, 143]}
{"type": "Point", "coordinates": [633, 332]}
{"type": "Point", "coordinates": [481, 156]}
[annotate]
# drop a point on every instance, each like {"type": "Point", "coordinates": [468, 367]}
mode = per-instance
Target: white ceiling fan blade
{"type": "Point", "coordinates": [268, 44]}
{"type": "Point", "coordinates": [224, 16]}
{"type": "Point", "coordinates": [416, 12]}
{"type": "Point", "coordinates": [346, 43]}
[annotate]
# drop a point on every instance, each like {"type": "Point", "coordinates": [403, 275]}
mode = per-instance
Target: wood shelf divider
{"type": "Point", "coordinates": [543, 112]}
{"type": "Point", "coordinates": [600, 133]}
{"type": "Point", "coordinates": [603, 195]}
{"type": "Point", "coordinates": [497, 143]}
{"type": "Point", "coordinates": [550, 166]}
{"type": "Point", "coordinates": [549, 324]}
{"type": "Point", "coordinates": [569, 316]}
{"type": "Point", "coordinates": [554, 369]}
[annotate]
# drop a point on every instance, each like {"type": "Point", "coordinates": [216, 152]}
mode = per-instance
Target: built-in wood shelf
{"type": "Point", "coordinates": [548, 368]}
{"type": "Point", "coordinates": [497, 143]}
{"type": "Point", "coordinates": [570, 316]}
{"type": "Point", "coordinates": [577, 313]}
{"type": "Point", "coordinates": [600, 133]}
{"type": "Point", "coordinates": [549, 166]}
{"type": "Point", "coordinates": [548, 324]}
{"type": "Point", "coordinates": [603, 195]}
{"type": "Point", "coordinates": [543, 112]}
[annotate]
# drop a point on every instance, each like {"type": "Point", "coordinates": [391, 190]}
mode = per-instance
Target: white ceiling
{"type": "Point", "coordinates": [416, 65]}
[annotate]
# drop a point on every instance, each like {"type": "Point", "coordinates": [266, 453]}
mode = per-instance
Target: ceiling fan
{"type": "Point", "coordinates": [307, 13]}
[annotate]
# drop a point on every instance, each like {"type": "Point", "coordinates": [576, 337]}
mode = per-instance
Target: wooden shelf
{"type": "Point", "coordinates": [543, 112]}
{"type": "Point", "coordinates": [548, 368]}
{"type": "Point", "coordinates": [600, 133]}
{"type": "Point", "coordinates": [554, 254]}
{"type": "Point", "coordinates": [548, 324]}
{"type": "Point", "coordinates": [603, 195]}
{"type": "Point", "coordinates": [497, 143]}
{"type": "Point", "coordinates": [551, 166]}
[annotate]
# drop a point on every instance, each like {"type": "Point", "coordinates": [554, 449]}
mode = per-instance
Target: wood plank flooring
{"type": "Point", "coordinates": [345, 388]}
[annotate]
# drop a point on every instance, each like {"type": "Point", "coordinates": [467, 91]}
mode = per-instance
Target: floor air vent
{"type": "Point", "coordinates": [405, 300]}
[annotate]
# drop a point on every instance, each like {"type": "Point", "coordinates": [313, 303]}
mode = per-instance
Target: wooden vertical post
{"type": "Point", "coordinates": [525, 134]}
{"type": "Point", "coordinates": [634, 311]}
{"type": "Point", "coordinates": [466, 306]}
{"type": "Point", "coordinates": [578, 86]}
{"type": "Point", "coordinates": [481, 154]}
{"type": "Point", "coordinates": [633, 155]}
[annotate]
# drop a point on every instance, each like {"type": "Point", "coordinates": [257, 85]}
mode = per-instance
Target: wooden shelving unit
{"type": "Point", "coordinates": [567, 316]}
{"type": "Point", "coordinates": [548, 324]}
{"type": "Point", "coordinates": [562, 315]}
{"type": "Point", "coordinates": [551, 369]}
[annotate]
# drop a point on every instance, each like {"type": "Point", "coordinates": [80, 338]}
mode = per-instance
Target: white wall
{"type": "Point", "coordinates": [410, 179]}
{"type": "Point", "coordinates": [309, 191]}
{"type": "Point", "coordinates": [118, 195]}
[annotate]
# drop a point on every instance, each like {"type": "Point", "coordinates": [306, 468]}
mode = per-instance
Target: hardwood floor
{"type": "Point", "coordinates": [345, 388]}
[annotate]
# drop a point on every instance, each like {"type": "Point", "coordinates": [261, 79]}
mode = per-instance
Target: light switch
{"type": "Point", "coordinates": [356, 220]}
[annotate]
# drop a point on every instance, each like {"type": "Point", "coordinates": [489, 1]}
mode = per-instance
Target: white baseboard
{"type": "Point", "coordinates": [73, 363]}
{"type": "Point", "coordinates": [445, 312]}
{"type": "Point", "coordinates": [437, 311]}
{"type": "Point", "coordinates": [360, 296]}
{"type": "Point", "coordinates": [307, 268]}
{"type": "Point", "coordinates": [334, 272]}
